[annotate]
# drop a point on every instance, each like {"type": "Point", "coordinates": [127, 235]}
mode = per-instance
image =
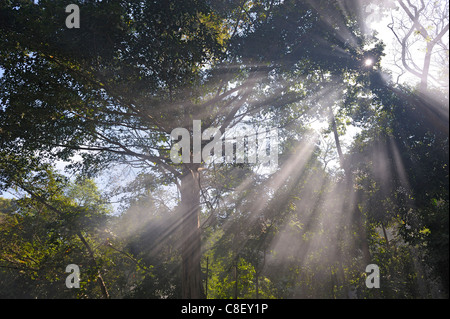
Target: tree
{"type": "Point", "coordinates": [46, 231]}
{"type": "Point", "coordinates": [115, 88]}
{"type": "Point", "coordinates": [113, 91]}
{"type": "Point", "coordinates": [400, 163]}
{"type": "Point", "coordinates": [103, 95]}
{"type": "Point", "coordinates": [422, 26]}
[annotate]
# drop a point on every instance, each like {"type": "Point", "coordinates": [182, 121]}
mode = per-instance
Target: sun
{"type": "Point", "coordinates": [368, 62]}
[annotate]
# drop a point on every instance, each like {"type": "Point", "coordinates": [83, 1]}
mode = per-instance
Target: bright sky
{"type": "Point", "coordinates": [392, 45]}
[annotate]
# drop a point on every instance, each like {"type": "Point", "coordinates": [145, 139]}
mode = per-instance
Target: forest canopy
{"type": "Point", "coordinates": [224, 149]}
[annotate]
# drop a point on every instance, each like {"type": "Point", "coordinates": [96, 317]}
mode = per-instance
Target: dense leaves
{"type": "Point", "coordinates": [103, 100]}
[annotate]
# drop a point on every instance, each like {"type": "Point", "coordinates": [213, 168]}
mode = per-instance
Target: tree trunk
{"type": "Point", "coordinates": [207, 274]}
{"type": "Point", "coordinates": [426, 69]}
{"type": "Point", "coordinates": [191, 281]}
{"type": "Point", "coordinates": [385, 236]}
{"type": "Point", "coordinates": [236, 281]}
{"type": "Point", "coordinates": [100, 281]}
{"type": "Point", "coordinates": [336, 139]}
{"type": "Point", "coordinates": [353, 205]}
{"type": "Point", "coordinates": [257, 285]}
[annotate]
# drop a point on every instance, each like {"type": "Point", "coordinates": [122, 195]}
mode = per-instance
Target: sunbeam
{"type": "Point", "coordinates": [263, 149]}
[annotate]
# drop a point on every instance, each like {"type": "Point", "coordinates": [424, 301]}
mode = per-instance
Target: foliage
{"type": "Point", "coordinates": [106, 97]}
